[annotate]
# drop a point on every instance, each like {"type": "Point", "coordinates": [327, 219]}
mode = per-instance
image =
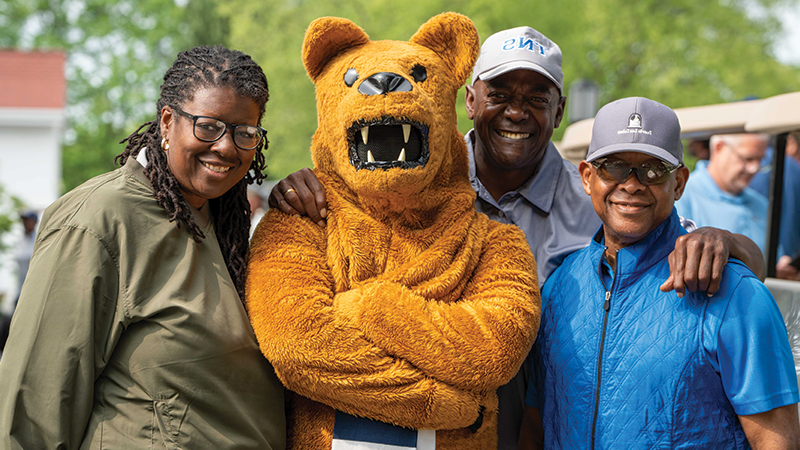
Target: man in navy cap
{"type": "Point", "coordinates": [618, 363]}
{"type": "Point", "coordinates": [515, 102]}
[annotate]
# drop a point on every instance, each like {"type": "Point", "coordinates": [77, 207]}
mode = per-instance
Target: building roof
{"type": "Point", "coordinates": [32, 79]}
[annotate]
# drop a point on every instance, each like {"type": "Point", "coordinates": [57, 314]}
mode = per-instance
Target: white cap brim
{"type": "Point", "coordinates": [509, 66]}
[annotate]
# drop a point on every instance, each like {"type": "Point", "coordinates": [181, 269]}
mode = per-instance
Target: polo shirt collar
{"type": "Point", "coordinates": [643, 254]}
{"type": "Point", "coordinates": [710, 187]}
{"type": "Point", "coordinates": [540, 189]}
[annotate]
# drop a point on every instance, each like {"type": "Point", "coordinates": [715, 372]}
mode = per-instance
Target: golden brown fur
{"type": "Point", "coordinates": [408, 307]}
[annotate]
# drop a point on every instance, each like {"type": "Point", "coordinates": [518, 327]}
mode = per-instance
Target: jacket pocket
{"type": "Point", "coordinates": [169, 415]}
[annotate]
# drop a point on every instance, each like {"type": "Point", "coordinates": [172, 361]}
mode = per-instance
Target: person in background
{"type": "Point", "coordinates": [699, 148]}
{"type": "Point", "coordinates": [515, 102]}
{"type": "Point", "coordinates": [717, 194]}
{"type": "Point", "coordinates": [130, 332]}
{"type": "Point", "coordinates": [793, 147]}
{"type": "Point", "coordinates": [22, 256]}
{"type": "Point", "coordinates": [256, 207]}
{"type": "Point", "coordinates": [24, 249]}
{"type": "Point", "coordinates": [619, 363]}
{"type": "Point", "coordinates": [789, 233]}
{"type": "Point", "coordinates": [787, 266]}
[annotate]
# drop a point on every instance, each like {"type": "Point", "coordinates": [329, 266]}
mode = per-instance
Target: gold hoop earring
{"type": "Point", "coordinates": [164, 144]}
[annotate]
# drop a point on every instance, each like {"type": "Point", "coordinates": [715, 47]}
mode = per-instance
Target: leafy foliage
{"type": "Point", "coordinates": [678, 52]}
{"type": "Point", "coordinates": [117, 53]}
{"type": "Point", "coordinates": [10, 210]}
{"type": "Point", "coordinates": [272, 32]}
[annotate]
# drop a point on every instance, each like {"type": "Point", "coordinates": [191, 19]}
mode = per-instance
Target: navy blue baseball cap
{"type": "Point", "coordinates": [637, 124]}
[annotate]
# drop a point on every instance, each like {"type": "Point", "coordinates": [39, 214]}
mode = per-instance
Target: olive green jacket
{"type": "Point", "coordinates": [130, 335]}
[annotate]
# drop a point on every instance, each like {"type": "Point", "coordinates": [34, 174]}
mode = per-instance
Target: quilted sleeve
{"type": "Point", "coordinates": [477, 342]}
{"type": "Point", "coordinates": [321, 355]}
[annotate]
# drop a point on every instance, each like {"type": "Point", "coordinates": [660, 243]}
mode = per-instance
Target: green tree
{"type": "Point", "coordinates": [117, 53]}
{"type": "Point", "coordinates": [10, 210]}
{"type": "Point", "coordinates": [679, 52]}
{"type": "Point", "coordinates": [272, 32]}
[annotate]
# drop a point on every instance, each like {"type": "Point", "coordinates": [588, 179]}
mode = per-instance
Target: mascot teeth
{"type": "Point", "coordinates": [388, 143]}
{"type": "Point", "coordinates": [411, 308]}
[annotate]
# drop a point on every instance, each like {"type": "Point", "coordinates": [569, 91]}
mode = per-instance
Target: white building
{"type": "Point", "coordinates": [32, 120]}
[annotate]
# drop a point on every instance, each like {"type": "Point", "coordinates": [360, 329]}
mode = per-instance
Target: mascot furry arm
{"type": "Point", "coordinates": [409, 308]}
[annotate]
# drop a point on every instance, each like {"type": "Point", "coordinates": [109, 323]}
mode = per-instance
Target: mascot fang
{"type": "Point", "coordinates": [396, 323]}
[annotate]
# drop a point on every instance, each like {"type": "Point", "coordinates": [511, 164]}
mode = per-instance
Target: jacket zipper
{"type": "Point", "coordinates": [606, 308]}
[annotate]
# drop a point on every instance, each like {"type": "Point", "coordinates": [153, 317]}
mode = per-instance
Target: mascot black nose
{"type": "Point", "coordinates": [384, 83]}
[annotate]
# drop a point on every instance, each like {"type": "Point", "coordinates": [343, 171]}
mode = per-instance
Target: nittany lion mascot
{"type": "Point", "coordinates": [395, 324]}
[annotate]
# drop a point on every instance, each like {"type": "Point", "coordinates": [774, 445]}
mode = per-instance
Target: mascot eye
{"type": "Point", "coordinates": [350, 77]}
{"type": "Point", "coordinates": [419, 73]}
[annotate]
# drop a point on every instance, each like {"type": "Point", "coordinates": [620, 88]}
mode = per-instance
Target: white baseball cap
{"type": "Point", "coordinates": [519, 48]}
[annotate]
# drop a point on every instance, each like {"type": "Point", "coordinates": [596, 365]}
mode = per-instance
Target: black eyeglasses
{"type": "Point", "coordinates": [649, 172]}
{"type": "Point", "coordinates": [209, 129]}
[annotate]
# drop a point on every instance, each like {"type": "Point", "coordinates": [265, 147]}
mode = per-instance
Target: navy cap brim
{"type": "Point", "coordinates": [651, 150]}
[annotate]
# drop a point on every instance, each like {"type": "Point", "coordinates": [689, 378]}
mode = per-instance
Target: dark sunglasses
{"type": "Point", "coordinates": [649, 172]}
{"type": "Point", "coordinates": [210, 129]}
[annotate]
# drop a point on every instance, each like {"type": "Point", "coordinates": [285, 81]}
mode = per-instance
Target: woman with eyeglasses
{"type": "Point", "coordinates": [130, 330]}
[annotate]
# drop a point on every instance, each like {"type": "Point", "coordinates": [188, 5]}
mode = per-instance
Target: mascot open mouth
{"type": "Point", "coordinates": [388, 142]}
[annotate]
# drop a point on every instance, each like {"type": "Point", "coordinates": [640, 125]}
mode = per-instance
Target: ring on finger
{"type": "Point", "coordinates": [287, 191]}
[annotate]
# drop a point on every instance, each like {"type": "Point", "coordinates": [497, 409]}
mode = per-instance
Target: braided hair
{"type": "Point", "coordinates": [204, 67]}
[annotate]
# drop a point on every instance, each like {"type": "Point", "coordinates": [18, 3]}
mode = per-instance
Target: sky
{"type": "Point", "coordinates": [788, 49]}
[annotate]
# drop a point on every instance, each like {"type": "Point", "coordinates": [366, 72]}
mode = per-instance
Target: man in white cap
{"type": "Point", "coordinates": [516, 101]}
{"type": "Point", "coordinates": [619, 363]}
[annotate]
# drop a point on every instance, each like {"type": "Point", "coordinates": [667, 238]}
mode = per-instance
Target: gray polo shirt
{"type": "Point", "coordinates": [551, 208]}
{"type": "Point", "coordinates": [558, 218]}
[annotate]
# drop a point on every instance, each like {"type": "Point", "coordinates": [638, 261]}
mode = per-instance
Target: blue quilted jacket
{"type": "Point", "coordinates": [625, 366]}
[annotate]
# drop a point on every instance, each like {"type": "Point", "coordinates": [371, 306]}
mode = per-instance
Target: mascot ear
{"type": "Point", "coordinates": [454, 38]}
{"type": "Point", "coordinates": [325, 38]}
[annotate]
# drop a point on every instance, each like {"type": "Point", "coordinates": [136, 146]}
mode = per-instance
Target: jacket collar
{"type": "Point", "coordinates": [644, 254]}
{"type": "Point", "coordinates": [134, 167]}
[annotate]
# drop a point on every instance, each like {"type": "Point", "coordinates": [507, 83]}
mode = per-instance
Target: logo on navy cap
{"type": "Point", "coordinates": [634, 126]}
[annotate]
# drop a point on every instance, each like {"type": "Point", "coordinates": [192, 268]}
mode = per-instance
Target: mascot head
{"type": "Point", "coordinates": [386, 109]}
